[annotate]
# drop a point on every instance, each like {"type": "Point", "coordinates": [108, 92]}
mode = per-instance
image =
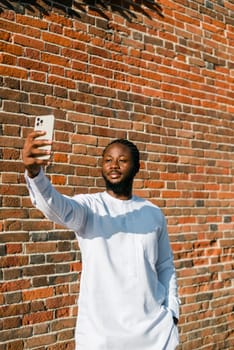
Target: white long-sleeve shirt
{"type": "Point", "coordinates": [128, 292]}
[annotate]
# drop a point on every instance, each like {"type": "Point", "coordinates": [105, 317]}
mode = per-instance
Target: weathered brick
{"type": "Point", "coordinates": [18, 344]}
{"type": "Point", "coordinates": [161, 77]}
{"type": "Point", "coordinates": [12, 298]}
{"type": "Point", "coordinates": [36, 341]}
{"type": "Point", "coordinates": [14, 310]}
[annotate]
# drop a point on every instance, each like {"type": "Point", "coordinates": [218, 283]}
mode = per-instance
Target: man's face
{"type": "Point", "coordinates": [117, 167]}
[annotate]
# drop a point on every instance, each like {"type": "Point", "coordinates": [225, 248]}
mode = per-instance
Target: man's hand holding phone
{"type": "Point", "coordinates": [37, 147]}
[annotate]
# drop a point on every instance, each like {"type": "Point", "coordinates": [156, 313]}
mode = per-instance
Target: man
{"type": "Point", "coordinates": [128, 296]}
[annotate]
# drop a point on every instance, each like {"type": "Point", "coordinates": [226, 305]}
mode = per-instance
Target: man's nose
{"type": "Point", "coordinates": [114, 163]}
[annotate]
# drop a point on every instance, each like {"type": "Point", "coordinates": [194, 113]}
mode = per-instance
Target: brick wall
{"type": "Point", "coordinates": [159, 73]}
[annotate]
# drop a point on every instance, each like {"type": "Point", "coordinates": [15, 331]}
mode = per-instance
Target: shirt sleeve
{"type": "Point", "coordinates": [166, 271]}
{"type": "Point", "coordinates": [56, 207]}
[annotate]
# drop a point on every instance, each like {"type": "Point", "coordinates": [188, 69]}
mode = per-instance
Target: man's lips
{"type": "Point", "coordinates": [114, 175]}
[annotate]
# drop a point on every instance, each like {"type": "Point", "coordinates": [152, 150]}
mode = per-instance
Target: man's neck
{"type": "Point", "coordinates": [121, 196]}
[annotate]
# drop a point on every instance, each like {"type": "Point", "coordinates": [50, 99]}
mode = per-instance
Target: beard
{"type": "Point", "coordinates": [123, 187]}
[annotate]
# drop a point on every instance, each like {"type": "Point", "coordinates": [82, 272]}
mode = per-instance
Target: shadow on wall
{"type": "Point", "coordinates": [72, 8]}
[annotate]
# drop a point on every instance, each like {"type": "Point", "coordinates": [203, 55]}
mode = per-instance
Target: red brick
{"type": "Point", "coordinates": [39, 293]}
{"type": "Point", "coordinates": [42, 247]}
{"type": "Point", "coordinates": [11, 49]}
{"type": "Point", "coordinates": [55, 39]}
{"type": "Point", "coordinates": [9, 261]}
{"type": "Point", "coordinates": [13, 72]}
{"type": "Point", "coordinates": [28, 41]}
{"type": "Point", "coordinates": [68, 345]}
{"type": "Point", "coordinates": [38, 317]}
{"type": "Point", "coordinates": [58, 302]}
{"type": "Point", "coordinates": [32, 22]}
{"type": "Point", "coordinates": [14, 285]}
{"type": "Point", "coordinates": [165, 83]}
{"type": "Point", "coordinates": [14, 248]}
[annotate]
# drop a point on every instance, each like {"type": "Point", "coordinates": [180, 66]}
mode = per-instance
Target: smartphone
{"type": "Point", "coordinates": [45, 123]}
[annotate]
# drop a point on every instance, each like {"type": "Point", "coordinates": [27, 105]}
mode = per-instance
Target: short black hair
{"type": "Point", "coordinates": [133, 149]}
